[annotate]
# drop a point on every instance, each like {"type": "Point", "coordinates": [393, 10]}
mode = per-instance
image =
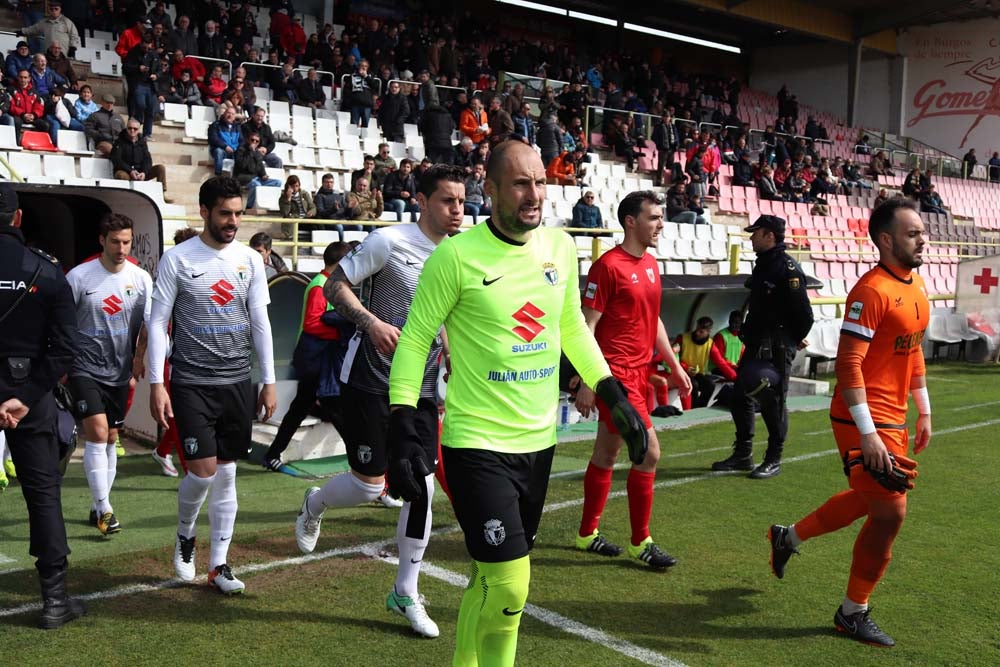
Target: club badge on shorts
{"type": "Point", "coordinates": [190, 446]}
{"type": "Point", "coordinates": [494, 532]}
{"type": "Point", "coordinates": [364, 454]}
{"type": "Point", "coordinates": [551, 273]}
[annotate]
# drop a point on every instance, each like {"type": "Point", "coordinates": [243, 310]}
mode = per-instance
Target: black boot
{"type": "Point", "coordinates": [770, 466]}
{"type": "Point", "coordinates": [740, 459]}
{"type": "Point", "coordinates": [58, 608]}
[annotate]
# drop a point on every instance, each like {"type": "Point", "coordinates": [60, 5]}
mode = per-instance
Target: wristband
{"type": "Point", "coordinates": [922, 400]}
{"type": "Point", "coordinates": [862, 417]}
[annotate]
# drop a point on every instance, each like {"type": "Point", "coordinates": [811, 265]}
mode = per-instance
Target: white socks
{"type": "Point", "coordinates": [851, 607]}
{"type": "Point", "coordinates": [222, 513]}
{"type": "Point", "coordinates": [191, 495]}
{"type": "Point", "coordinates": [112, 451]}
{"type": "Point", "coordinates": [4, 454]}
{"type": "Point", "coordinates": [344, 490]}
{"type": "Point", "coordinates": [411, 549]}
{"type": "Point", "coordinates": [793, 538]}
{"type": "Point", "coordinates": [95, 465]}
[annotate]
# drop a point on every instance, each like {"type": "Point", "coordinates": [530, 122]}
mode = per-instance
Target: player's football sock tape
{"type": "Point", "coordinates": [222, 509]}
{"type": "Point", "coordinates": [95, 466]}
{"type": "Point", "coordinates": [412, 533]}
{"type": "Point", "coordinates": [626, 419]}
{"type": "Point", "coordinates": [407, 463]}
{"type": "Point", "coordinates": [191, 494]}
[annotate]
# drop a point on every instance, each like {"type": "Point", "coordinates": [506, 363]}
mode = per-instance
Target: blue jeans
{"type": "Point", "coordinates": [252, 189]}
{"type": "Point", "coordinates": [218, 155]}
{"type": "Point", "coordinates": [273, 160]}
{"type": "Point", "coordinates": [360, 112]}
{"type": "Point", "coordinates": [476, 210]}
{"type": "Point", "coordinates": [54, 126]}
{"type": "Point", "coordinates": [400, 206]}
{"type": "Point", "coordinates": [144, 102]}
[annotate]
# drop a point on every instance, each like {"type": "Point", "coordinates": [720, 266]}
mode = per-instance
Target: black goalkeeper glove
{"type": "Point", "coordinates": [626, 419]}
{"type": "Point", "coordinates": [407, 465]}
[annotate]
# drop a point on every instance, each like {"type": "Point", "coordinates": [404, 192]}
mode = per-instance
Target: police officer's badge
{"type": "Point", "coordinates": [494, 532]}
{"type": "Point", "coordinates": [190, 446]}
{"type": "Point", "coordinates": [365, 454]}
{"type": "Point", "coordinates": [793, 283]}
{"type": "Point", "coordinates": [551, 274]}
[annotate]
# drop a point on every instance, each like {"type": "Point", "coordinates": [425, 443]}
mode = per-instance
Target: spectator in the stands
{"type": "Point", "coordinates": [359, 95]}
{"type": "Point", "coordinates": [883, 197]}
{"type": "Point", "coordinates": [562, 170]}
{"type": "Point", "coordinates": [313, 56]}
{"type": "Point", "coordinates": [61, 65]}
{"type": "Point", "coordinates": [183, 62]}
{"type": "Point", "coordinates": [766, 186]}
{"type": "Point", "coordinates": [295, 202]}
{"type": "Point", "coordinates": [31, 13]}
{"type": "Point", "coordinates": [477, 202]}
{"type": "Point", "coordinates": [18, 59]}
{"type": "Point", "coordinates": [104, 126]}
{"type": "Point", "coordinates": [60, 114]}
{"type": "Point", "coordinates": [213, 88]}
{"type": "Point", "coordinates": [27, 108]}
{"type": "Point", "coordinates": [854, 177]}
{"type": "Point", "coordinates": [586, 214]}
{"type": "Point", "coordinates": [969, 162]}
{"type": "Point", "coordinates": [249, 168]}
{"type": "Point", "coordinates": [184, 91]}
{"type": "Point", "coordinates": [310, 91]}
{"type": "Point", "coordinates": [930, 201]}
{"type": "Point", "coordinates": [863, 146]}
{"type": "Point", "coordinates": [393, 112]}
{"type": "Point", "coordinates": [293, 39]}
{"type": "Point", "coordinates": [130, 158]}
{"type": "Point", "coordinates": [233, 99]}
{"type": "Point", "coordinates": [363, 203]}
{"type": "Point", "coordinates": [436, 125]}
{"type": "Point", "coordinates": [913, 185]}
{"type": "Point", "coordinates": [132, 37]}
{"type": "Point", "coordinates": [994, 168]}
{"type": "Point", "coordinates": [43, 79]}
{"type": "Point", "coordinates": [55, 28]}
{"type": "Point", "coordinates": [142, 69]}
{"type": "Point", "coordinates": [679, 205]}
{"type": "Point", "coordinates": [665, 140]}
{"type": "Point", "coordinates": [211, 44]}
{"type": "Point", "coordinates": [258, 124]}
{"type": "Point", "coordinates": [331, 205]}
{"type": "Point", "coordinates": [880, 165]}
{"type": "Point", "coordinates": [465, 155]}
{"type": "Point", "coordinates": [223, 139]}
{"type": "Point", "coordinates": [182, 38]}
{"type": "Point", "coordinates": [473, 122]}
{"type": "Point", "coordinates": [797, 188]}
{"type": "Point", "coordinates": [695, 169]}
{"type": "Point", "coordinates": [626, 145]}
{"type": "Point", "coordinates": [284, 83]}
{"type": "Point", "coordinates": [367, 171]}
{"type": "Point", "coordinates": [399, 191]}
{"type": "Point", "coordinates": [500, 122]}
{"type": "Point", "coordinates": [85, 104]}
{"type": "Point", "coordinates": [743, 171]}
{"type": "Point", "coordinates": [158, 16]}
{"type": "Point", "coordinates": [273, 263]}
{"type": "Point", "coordinates": [524, 126]}
{"type": "Point", "coordinates": [549, 138]}
{"type": "Point", "coordinates": [385, 164]}
{"type": "Point", "coordinates": [160, 43]}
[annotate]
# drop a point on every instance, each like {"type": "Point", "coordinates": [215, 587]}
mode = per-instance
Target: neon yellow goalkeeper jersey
{"type": "Point", "coordinates": [508, 310]}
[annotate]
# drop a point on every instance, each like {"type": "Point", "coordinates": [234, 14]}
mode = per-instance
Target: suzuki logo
{"type": "Point", "coordinates": [223, 292]}
{"type": "Point", "coordinates": [112, 305]}
{"type": "Point", "coordinates": [527, 316]}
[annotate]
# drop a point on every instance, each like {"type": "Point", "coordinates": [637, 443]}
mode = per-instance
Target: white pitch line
{"type": "Point", "coordinates": [6, 559]}
{"type": "Point", "coordinates": [554, 619]}
{"type": "Point", "coordinates": [974, 406]}
{"type": "Point", "coordinates": [622, 466]}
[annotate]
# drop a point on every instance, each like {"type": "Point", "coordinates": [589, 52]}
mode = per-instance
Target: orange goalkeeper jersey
{"type": "Point", "coordinates": [880, 344]}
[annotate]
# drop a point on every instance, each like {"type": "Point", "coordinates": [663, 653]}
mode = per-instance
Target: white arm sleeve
{"type": "Point", "coordinates": [156, 348]}
{"type": "Point", "coordinates": [262, 342]}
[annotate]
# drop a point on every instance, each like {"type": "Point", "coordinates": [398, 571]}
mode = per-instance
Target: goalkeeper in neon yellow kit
{"type": "Point", "coordinates": [508, 295]}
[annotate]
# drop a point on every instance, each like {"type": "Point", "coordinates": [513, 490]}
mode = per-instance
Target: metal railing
{"type": "Point", "coordinates": [325, 78]}
{"type": "Point", "coordinates": [378, 88]}
{"type": "Point", "coordinates": [226, 65]}
{"type": "Point", "coordinates": [534, 86]}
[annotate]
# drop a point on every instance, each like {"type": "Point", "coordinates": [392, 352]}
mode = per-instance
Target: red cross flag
{"type": "Point", "coordinates": [977, 295]}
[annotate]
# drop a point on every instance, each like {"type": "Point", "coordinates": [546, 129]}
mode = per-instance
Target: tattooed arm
{"type": "Point", "coordinates": [338, 291]}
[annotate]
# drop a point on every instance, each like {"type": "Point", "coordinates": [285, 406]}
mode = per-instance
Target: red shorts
{"type": "Point", "coordinates": [636, 382]}
{"type": "Point", "coordinates": [896, 440]}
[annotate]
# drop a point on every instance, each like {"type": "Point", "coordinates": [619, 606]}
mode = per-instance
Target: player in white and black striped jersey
{"type": "Point", "coordinates": [388, 262]}
{"type": "Point", "coordinates": [215, 291]}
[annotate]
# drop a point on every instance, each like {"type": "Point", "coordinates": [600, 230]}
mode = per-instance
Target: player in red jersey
{"type": "Point", "coordinates": [622, 307]}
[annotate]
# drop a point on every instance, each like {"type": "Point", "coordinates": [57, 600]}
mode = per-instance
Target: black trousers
{"type": "Point", "coordinates": [35, 451]}
{"type": "Point", "coordinates": [298, 410]}
{"type": "Point", "coordinates": [773, 407]}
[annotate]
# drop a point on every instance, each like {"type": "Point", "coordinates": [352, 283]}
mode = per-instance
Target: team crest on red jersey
{"type": "Point", "coordinates": [650, 275]}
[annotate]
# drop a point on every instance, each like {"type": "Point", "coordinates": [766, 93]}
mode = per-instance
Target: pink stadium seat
{"type": "Point", "coordinates": [765, 207]}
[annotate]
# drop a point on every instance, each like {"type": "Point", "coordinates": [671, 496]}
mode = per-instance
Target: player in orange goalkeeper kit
{"type": "Point", "coordinates": [879, 362]}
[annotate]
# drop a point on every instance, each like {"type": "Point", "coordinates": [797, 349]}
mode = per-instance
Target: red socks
{"type": "Point", "coordinates": [640, 503]}
{"type": "Point", "coordinates": [596, 485]}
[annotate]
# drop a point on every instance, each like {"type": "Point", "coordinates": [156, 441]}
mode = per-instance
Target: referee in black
{"type": "Point", "coordinates": [37, 339]}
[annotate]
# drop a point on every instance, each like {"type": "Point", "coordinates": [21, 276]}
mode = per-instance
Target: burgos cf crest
{"type": "Point", "coordinates": [551, 273]}
{"type": "Point", "coordinates": [241, 271]}
{"type": "Point", "coordinates": [494, 532]}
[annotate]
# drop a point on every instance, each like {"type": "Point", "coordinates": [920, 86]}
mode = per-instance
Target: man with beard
{"type": "Point", "coordinates": [507, 293]}
{"type": "Point", "coordinates": [113, 298]}
{"type": "Point", "coordinates": [214, 291]}
{"type": "Point", "coordinates": [621, 304]}
{"type": "Point", "coordinates": [390, 260]}
{"type": "Point", "coordinates": [779, 319]}
{"type": "Point", "coordinates": [879, 361]}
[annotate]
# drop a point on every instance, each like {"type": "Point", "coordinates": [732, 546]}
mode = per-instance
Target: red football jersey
{"type": "Point", "coordinates": [626, 291]}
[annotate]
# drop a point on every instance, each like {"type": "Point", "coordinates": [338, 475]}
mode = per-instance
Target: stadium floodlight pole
{"type": "Point", "coordinates": [682, 38]}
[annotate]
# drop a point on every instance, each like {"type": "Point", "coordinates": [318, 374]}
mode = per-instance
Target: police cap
{"type": "Point", "coordinates": [770, 222]}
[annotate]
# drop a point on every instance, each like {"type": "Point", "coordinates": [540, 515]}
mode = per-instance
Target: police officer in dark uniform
{"type": "Point", "coordinates": [780, 317]}
{"type": "Point", "coordinates": [37, 345]}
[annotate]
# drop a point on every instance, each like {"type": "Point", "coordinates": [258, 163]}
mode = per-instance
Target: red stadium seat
{"type": "Point", "coordinates": [37, 141]}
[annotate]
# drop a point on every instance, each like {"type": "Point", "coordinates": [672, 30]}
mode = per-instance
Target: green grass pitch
{"type": "Point", "coordinates": [719, 606]}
